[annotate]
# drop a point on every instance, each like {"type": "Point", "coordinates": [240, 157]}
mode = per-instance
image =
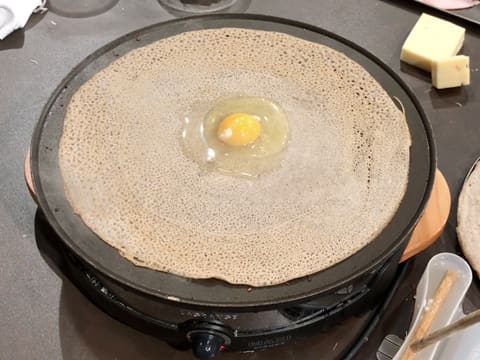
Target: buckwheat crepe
{"type": "Point", "coordinates": [468, 219]}
{"type": "Point", "coordinates": [340, 181]}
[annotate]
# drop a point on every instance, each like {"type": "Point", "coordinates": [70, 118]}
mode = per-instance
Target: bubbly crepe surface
{"type": "Point", "coordinates": [341, 179]}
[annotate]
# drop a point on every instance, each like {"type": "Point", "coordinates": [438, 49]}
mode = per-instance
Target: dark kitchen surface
{"type": "Point", "coordinates": [45, 317]}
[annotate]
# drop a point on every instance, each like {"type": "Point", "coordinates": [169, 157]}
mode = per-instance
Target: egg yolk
{"type": "Point", "coordinates": [239, 129]}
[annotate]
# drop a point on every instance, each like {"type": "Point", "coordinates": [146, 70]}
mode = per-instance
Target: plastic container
{"type": "Point", "coordinates": [463, 345]}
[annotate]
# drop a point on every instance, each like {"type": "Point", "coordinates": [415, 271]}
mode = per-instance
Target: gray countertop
{"type": "Point", "coordinates": [44, 317]}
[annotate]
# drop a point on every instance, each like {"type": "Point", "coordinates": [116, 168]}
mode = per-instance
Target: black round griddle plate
{"type": "Point", "coordinates": [106, 260]}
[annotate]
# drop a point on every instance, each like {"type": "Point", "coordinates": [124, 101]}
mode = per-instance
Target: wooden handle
{"type": "Point", "coordinates": [430, 312]}
{"type": "Point", "coordinates": [27, 174]}
{"type": "Point", "coordinates": [433, 219]}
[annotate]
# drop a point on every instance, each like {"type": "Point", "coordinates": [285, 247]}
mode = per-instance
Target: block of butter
{"type": "Point", "coordinates": [431, 39]}
{"type": "Point", "coordinates": [451, 72]}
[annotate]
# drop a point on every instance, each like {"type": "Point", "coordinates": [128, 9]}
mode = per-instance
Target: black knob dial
{"type": "Point", "coordinates": [206, 345]}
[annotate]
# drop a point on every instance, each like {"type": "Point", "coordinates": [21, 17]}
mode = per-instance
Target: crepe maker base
{"type": "Point", "coordinates": [350, 315]}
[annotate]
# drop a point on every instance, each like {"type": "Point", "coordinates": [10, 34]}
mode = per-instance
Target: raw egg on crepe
{"type": "Point", "coordinates": [236, 135]}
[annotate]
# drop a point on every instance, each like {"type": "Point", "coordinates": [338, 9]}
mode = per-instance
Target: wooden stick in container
{"type": "Point", "coordinates": [430, 312]}
{"type": "Point", "coordinates": [440, 334]}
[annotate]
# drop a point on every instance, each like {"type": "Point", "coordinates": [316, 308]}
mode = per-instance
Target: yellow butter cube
{"type": "Point", "coordinates": [451, 72]}
{"type": "Point", "coordinates": [430, 39]}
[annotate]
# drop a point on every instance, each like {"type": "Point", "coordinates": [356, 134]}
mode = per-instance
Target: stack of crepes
{"type": "Point", "coordinates": [468, 217]}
